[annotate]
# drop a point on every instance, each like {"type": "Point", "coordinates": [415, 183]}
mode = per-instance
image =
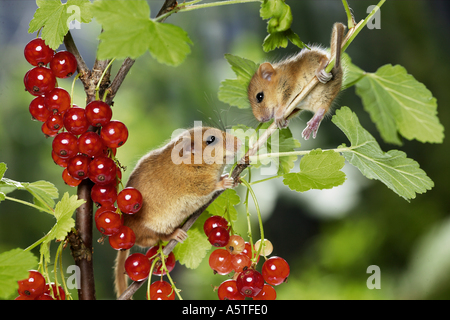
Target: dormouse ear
{"type": "Point", "coordinates": [266, 71]}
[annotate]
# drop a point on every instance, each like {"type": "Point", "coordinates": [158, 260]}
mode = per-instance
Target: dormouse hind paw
{"type": "Point", "coordinates": [226, 182]}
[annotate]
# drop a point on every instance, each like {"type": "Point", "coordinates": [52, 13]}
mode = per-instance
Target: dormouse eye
{"type": "Point", "coordinates": [210, 140]}
{"type": "Point", "coordinates": [260, 97]}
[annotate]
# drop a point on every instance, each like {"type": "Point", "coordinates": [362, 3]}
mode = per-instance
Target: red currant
{"type": "Point", "coordinates": [240, 262]}
{"type": "Point", "coordinates": [248, 251]}
{"type": "Point", "coordinates": [169, 261]}
{"type": "Point", "coordinates": [103, 209]}
{"type": "Point", "coordinates": [109, 223]}
{"type": "Point", "coordinates": [59, 161]}
{"type": "Point", "coordinates": [63, 64]}
{"type": "Point", "coordinates": [38, 109]}
{"type": "Point", "coordinates": [267, 293]}
{"type": "Point", "coordinates": [39, 81]}
{"type": "Point", "coordinates": [78, 166]}
{"type": "Point", "coordinates": [57, 100]}
{"type": "Point", "coordinates": [75, 120]}
{"type": "Point", "coordinates": [214, 222]}
{"type": "Point", "coordinates": [275, 270]}
{"type": "Point", "coordinates": [38, 53]}
{"type": "Point", "coordinates": [65, 145]}
{"type": "Point", "coordinates": [58, 293]}
{"type": "Point", "coordinates": [129, 200]}
{"type": "Point", "coordinates": [90, 144]}
{"type": "Point", "coordinates": [137, 266]}
{"type": "Point", "coordinates": [102, 170]}
{"type": "Point", "coordinates": [124, 239]}
{"type": "Point", "coordinates": [250, 282]}
{"type": "Point", "coordinates": [236, 244]}
{"type": "Point", "coordinates": [54, 122]}
{"type": "Point", "coordinates": [228, 291]}
{"type": "Point", "coordinates": [114, 134]}
{"type": "Point", "coordinates": [47, 132]}
{"type": "Point", "coordinates": [219, 237]}
{"type": "Point", "coordinates": [33, 286]}
{"type": "Point", "coordinates": [220, 261]}
{"type": "Point", "coordinates": [69, 180]}
{"type": "Point", "coordinates": [98, 113]}
{"type": "Point", "coordinates": [161, 290]}
{"type": "Point", "coordinates": [104, 195]}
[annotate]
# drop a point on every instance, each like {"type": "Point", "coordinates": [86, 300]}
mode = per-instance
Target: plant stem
{"type": "Point", "coordinates": [29, 204]}
{"type": "Point", "coordinates": [350, 20]}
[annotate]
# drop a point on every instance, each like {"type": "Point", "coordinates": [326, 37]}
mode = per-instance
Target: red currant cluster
{"type": "Point", "coordinates": [240, 257]}
{"type": "Point", "coordinates": [35, 288]}
{"type": "Point", "coordinates": [81, 152]}
{"type": "Point", "coordinates": [138, 267]}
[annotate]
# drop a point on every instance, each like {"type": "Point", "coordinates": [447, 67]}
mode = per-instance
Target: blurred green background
{"type": "Point", "coordinates": [330, 237]}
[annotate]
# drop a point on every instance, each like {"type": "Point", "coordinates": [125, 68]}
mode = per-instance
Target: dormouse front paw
{"type": "Point", "coordinates": [281, 123]}
{"type": "Point", "coordinates": [226, 182]}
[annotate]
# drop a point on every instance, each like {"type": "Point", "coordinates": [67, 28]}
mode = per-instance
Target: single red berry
{"type": "Point", "coordinates": [137, 266]}
{"type": "Point", "coordinates": [248, 251]}
{"type": "Point", "coordinates": [75, 120]}
{"type": "Point", "coordinates": [65, 145]}
{"type": "Point", "coordinates": [267, 293]}
{"type": "Point", "coordinates": [78, 166]}
{"type": "Point", "coordinates": [219, 237]}
{"type": "Point", "coordinates": [103, 209]}
{"type": "Point", "coordinates": [250, 282]}
{"type": "Point", "coordinates": [102, 170]}
{"type": "Point", "coordinates": [214, 222]}
{"type": "Point", "coordinates": [129, 200]}
{"type": "Point", "coordinates": [240, 262]}
{"type": "Point", "coordinates": [236, 244]}
{"type": "Point", "coordinates": [275, 270]}
{"type": "Point", "coordinates": [104, 195]}
{"type": "Point", "coordinates": [90, 144]}
{"type": "Point", "coordinates": [59, 161]}
{"type": "Point", "coordinates": [161, 290]}
{"type": "Point", "coordinates": [58, 293]}
{"type": "Point", "coordinates": [220, 261]}
{"type": "Point", "coordinates": [63, 64]}
{"type": "Point", "coordinates": [57, 100]}
{"type": "Point", "coordinates": [33, 286]}
{"type": "Point", "coordinates": [98, 113]}
{"type": "Point", "coordinates": [124, 239]}
{"type": "Point", "coordinates": [38, 109]}
{"type": "Point", "coordinates": [39, 81]}
{"type": "Point", "coordinates": [169, 261]}
{"type": "Point", "coordinates": [109, 223]}
{"type": "Point", "coordinates": [38, 53]}
{"type": "Point", "coordinates": [54, 122]}
{"type": "Point", "coordinates": [228, 291]}
{"type": "Point", "coordinates": [69, 180]}
{"type": "Point", "coordinates": [47, 132]}
{"type": "Point", "coordinates": [114, 134]}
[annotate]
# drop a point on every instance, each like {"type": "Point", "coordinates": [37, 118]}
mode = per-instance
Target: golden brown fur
{"type": "Point", "coordinates": [172, 192]}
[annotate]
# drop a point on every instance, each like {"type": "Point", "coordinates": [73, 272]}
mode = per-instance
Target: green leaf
{"type": "Point", "coordinates": [353, 73]}
{"type": "Point", "coordinates": [398, 103]}
{"type": "Point", "coordinates": [318, 170]}
{"type": "Point", "coordinates": [14, 266]}
{"type": "Point", "coordinates": [3, 169]}
{"type": "Point", "coordinates": [64, 210]}
{"type": "Point", "coordinates": [278, 26]}
{"type": "Point", "coordinates": [194, 249]}
{"type": "Point", "coordinates": [224, 205]}
{"type": "Point", "coordinates": [399, 173]}
{"type": "Point", "coordinates": [129, 32]}
{"type": "Point", "coordinates": [234, 92]}
{"type": "Point", "coordinates": [55, 17]}
{"type": "Point", "coordinates": [43, 191]}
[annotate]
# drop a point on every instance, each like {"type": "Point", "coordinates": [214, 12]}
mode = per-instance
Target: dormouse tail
{"type": "Point", "coordinates": [121, 282]}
